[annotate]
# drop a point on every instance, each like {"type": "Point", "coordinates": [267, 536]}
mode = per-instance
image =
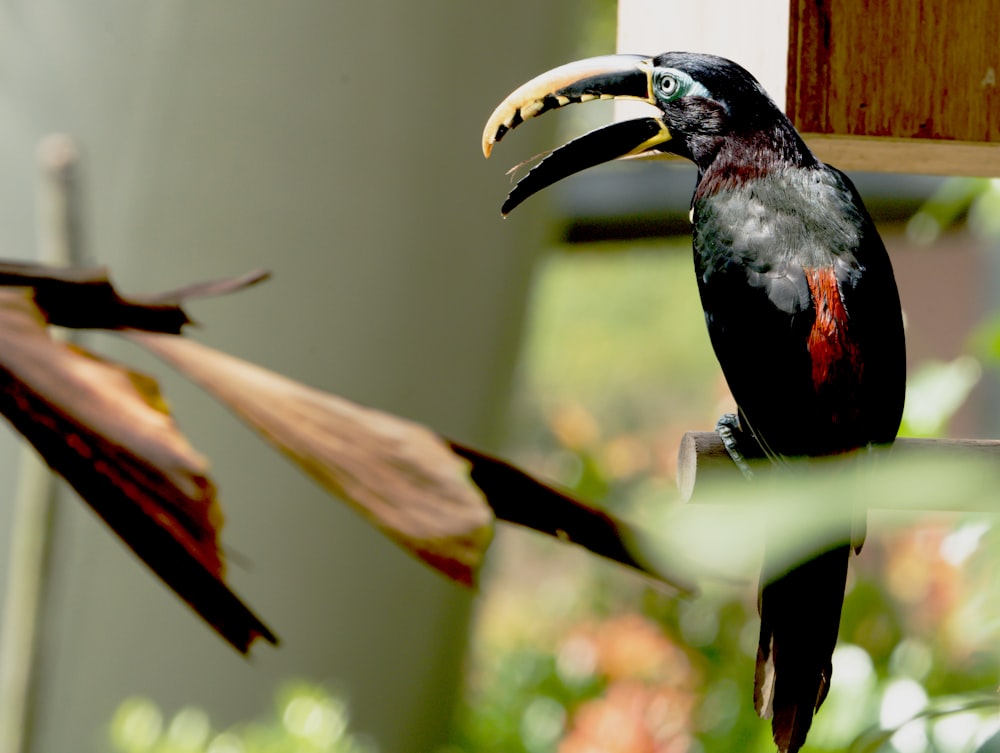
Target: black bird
{"type": "Point", "coordinates": [799, 298]}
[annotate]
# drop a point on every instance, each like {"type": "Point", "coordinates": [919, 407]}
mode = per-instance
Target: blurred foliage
{"type": "Point", "coordinates": [572, 654]}
{"type": "Point", "coordinates": [596, 26]}
{"type": "Point", "coordinates": [972, 205]}
{"type": "Point", "coordinates": [308, 719]}
{"type": "Point", "coordinates": [934, 392]}
{"type": "Point", "coordinates": [975, 200]}
{"type": "Point", "coordinates": [609, 329]}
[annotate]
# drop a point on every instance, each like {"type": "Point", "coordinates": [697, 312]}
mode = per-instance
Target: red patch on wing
{"type": "Point", "coordinates": [836, 360]}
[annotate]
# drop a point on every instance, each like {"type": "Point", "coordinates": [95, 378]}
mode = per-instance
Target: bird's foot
{"type": "Point", "coordinates": [729, 431]}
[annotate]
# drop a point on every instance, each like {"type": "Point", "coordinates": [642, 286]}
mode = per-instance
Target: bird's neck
{"type": "Point", "coordinates": [742, 158]}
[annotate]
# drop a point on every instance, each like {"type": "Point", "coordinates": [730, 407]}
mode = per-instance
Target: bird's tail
{"type": "Point", "coordinates": [800, 617]}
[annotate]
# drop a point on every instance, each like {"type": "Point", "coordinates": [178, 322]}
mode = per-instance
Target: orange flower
{"type": "Point", "coordinates": [633, 717]}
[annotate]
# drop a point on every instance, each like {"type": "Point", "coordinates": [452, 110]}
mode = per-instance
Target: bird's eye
{"type": "Point", "coordinates": [669, 85]}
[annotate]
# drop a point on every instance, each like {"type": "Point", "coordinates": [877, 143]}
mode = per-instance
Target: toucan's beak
{"type": "Point", "coordinates": [607, 77]}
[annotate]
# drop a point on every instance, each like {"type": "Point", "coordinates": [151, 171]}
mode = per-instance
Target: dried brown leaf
{"type": "Point", "coordinates": [399, 475]}
{"type": "Point", "coordinates": [84, 298]}
{"type": "Point", "coordinates": [105, 429]}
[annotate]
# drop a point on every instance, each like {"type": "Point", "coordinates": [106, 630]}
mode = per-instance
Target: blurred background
{"type": "Point", "coordinates": [337, 145]}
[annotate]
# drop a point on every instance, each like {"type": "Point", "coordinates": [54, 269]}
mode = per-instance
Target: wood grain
{"type": "Point", "coordinates": [916, 70]}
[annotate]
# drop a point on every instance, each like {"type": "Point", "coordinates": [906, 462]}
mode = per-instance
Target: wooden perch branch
{"type": "Point", "coordinates": [804, 507]}
{"type": "Point", "coordinates": [703, 458]}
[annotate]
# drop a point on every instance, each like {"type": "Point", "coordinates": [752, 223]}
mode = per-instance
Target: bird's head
{"type": "Point", "coordinates": [706, 104]}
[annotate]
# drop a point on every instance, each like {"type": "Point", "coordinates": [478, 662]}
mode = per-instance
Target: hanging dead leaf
{"type": "Point", "coordinates": [518, 497]}
{"type": "Point", "coordinates": [105, 429]}
{"type": "Point", "coordinates": [84, 298]}
{"type": "Point", "coordinates": [399, 475]}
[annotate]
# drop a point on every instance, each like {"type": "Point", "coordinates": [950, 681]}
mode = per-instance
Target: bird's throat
{"type": "Point", "coordinates": [739, 160]}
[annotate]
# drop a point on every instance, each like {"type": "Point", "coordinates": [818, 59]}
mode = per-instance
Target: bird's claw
{"type": "Point", "coordinates": [728, 428]}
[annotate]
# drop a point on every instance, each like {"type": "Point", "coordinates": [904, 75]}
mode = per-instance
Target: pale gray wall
{"type": "Point", "coordinates": [336, 143]}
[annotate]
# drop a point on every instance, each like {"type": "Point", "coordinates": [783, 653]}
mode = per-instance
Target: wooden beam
{"type": "Point", "coordinates": [899, 155]}
{"type": "Point", "coordinates": [919, 73]}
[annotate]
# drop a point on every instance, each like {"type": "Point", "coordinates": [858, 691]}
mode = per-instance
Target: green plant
{"type": "Point", "coordinates": [307, 719]}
